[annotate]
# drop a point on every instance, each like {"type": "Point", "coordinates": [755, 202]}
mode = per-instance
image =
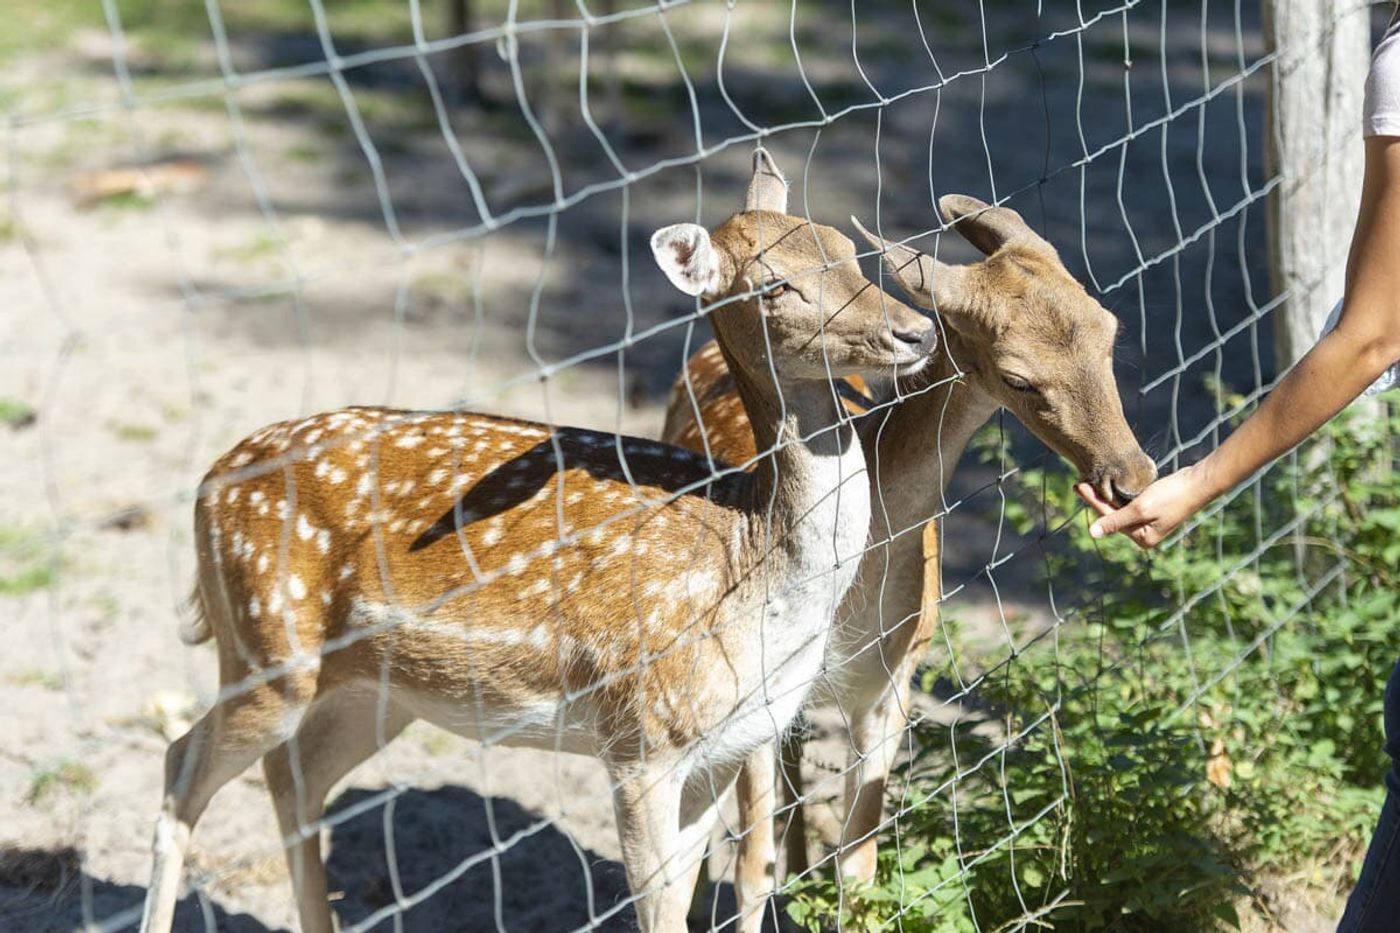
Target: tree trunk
{"type": "Point", "coordinates": [1313, 130]}
{"type": "Point", "coordinates": [465, 65]}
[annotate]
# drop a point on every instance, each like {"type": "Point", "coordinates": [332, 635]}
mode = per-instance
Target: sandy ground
{"type": "Point", "coordinates": [149, 337]}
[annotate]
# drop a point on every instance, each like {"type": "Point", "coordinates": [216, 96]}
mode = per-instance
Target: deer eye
{"type": "Point", "coordinates": [1018, 383]}
{"type": "Point", "coordinates": [775, 288]}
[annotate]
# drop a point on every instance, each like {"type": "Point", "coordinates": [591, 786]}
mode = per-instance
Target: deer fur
{"type": "Point", "coordinates": [1020, 332]}
{"type": "Point", "coordinates": [523, 584]}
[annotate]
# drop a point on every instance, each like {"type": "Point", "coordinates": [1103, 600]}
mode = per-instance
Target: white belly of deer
{"type": "Point", "coordinates": [548, 723]}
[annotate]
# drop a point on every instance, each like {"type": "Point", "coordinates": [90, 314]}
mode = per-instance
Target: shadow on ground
{"type": "Point", "coordinates": [46, 891]}
{"type": "Point", "coordinates": [538, 880]}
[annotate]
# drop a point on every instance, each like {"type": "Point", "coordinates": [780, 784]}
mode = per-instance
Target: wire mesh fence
{"type": "Point", "coordinates": [542, 644]}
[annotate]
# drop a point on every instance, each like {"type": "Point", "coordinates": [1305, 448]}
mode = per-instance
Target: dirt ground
{"type": "Point", "coordinates": [143, 331]}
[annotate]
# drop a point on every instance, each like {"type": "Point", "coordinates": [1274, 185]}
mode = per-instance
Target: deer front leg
{"type": "Point", "coordinates": [876, 731]}
{"type": "Point", "coordinates": [664, 827]}
{"type": "Point", "coordinates": [875, 734]}
{"type": "Point", "coordinates": [756, 863]}
{"type": "Point", "coordinates": [792, 802]}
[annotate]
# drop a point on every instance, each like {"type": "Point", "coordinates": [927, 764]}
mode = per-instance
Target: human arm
{"type": "Point", "coordinates": [1334, 372]}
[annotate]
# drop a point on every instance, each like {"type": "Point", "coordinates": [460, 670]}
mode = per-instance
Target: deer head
{"type": "Point", "coordinates": [1027, 334]}
{"type": "Point", "coordinates": [787, 291]}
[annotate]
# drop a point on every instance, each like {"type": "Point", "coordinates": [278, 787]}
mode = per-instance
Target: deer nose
{"type": "Point", "coordinates": [920, 336]}
{"type": "Point", "coordinates": [1128, 481]}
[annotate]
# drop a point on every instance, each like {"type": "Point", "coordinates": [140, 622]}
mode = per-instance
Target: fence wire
{"type": "Point", "coordinates": [264, 211]}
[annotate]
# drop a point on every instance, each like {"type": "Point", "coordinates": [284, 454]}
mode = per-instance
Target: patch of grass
{"type": "Point", "coordinates": [169, 29]}
{"type": "Point", "coordinates": [389, 114]}
{"type": "Point", "coordinates": [443, 288]}
{"type": "Point", "coordinates": [26, 580]}
{"type": "Point", "coordinates": [303, 152]}
{"type": "Point", "coordinates": [128, 431]}
{"type": "Point", "coordinates": [16, 414]}
{"type": "Point", "coordinates": [37, 677]}
{"type": "Point", "coordinates": [127, 201]}
{"type": "Point", "coordinates": [24, 562]}
{"type": "Point", "coordinates": [352, 176]}
{"type": "Point", "coordinates": [262, 246]}
{"type": "Point", "coordinates": [66, 776]}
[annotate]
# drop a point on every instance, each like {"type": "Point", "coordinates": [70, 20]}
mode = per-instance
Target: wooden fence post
{"type": "Point", "coordinates": [1313, 139]}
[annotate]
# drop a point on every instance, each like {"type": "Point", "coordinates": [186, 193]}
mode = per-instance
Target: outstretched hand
{"type": "Point", "coordinates": [1153, 515]}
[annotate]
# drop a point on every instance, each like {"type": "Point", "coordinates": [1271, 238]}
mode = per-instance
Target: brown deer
{"type": "Point", "coordinates": [1021, 333]}
{"type": "Point", "coordinates": [524, 584]}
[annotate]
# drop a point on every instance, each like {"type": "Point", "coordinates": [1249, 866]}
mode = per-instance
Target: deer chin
{"type": "Point", "coordinates": [911, 368]}
{"type": "Point", "coordinates": [905, 359]}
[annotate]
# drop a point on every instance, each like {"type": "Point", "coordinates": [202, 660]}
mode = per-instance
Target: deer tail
{"type": "Point", "coordinates": [194, 621]}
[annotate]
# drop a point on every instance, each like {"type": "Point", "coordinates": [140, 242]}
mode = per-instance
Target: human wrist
{"type": "Point", "coordinates": [1206, 482]}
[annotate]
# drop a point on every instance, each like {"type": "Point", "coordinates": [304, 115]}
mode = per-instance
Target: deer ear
{"type": "Point", "coordinates": [988, 228]}
{"type": "Point", "coordinates": [928, 282]}
{"type": "Point", "coordinates": [768, 189]}
{"type": "Point", "coordinates": [684, 252]}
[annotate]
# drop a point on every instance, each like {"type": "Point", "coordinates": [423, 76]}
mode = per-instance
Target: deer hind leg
{"type": "Point", "coordinates": [664, 824]}
{"type": "Point", "coordinates": [219, 747]}
{"type": "Point", "coordinates": [756, 864]}
{"type": "Point", "coordinates": [339, 732]}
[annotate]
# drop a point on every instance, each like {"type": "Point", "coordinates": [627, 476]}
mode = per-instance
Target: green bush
{"type": "Point", "coordinates": [1208, 718]}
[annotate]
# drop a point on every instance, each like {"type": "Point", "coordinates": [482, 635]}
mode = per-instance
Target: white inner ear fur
{"type": "Point", "coordinates": [684, 252]}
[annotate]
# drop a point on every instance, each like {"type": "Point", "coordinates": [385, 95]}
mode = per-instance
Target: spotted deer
{"type": "Point", "coordinates": [523, 584]}
{"type": "Point", "coordinates": [1021, 333]}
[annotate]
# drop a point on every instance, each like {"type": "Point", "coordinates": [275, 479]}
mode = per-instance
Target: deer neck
{"type": "Point", "coordinates": [916, 444]}
{"type": "Point", "coordinates": [809, 498]}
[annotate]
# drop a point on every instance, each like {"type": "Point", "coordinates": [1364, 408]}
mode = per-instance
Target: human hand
{"type": "Point", "coordinates": [1153, 515]}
